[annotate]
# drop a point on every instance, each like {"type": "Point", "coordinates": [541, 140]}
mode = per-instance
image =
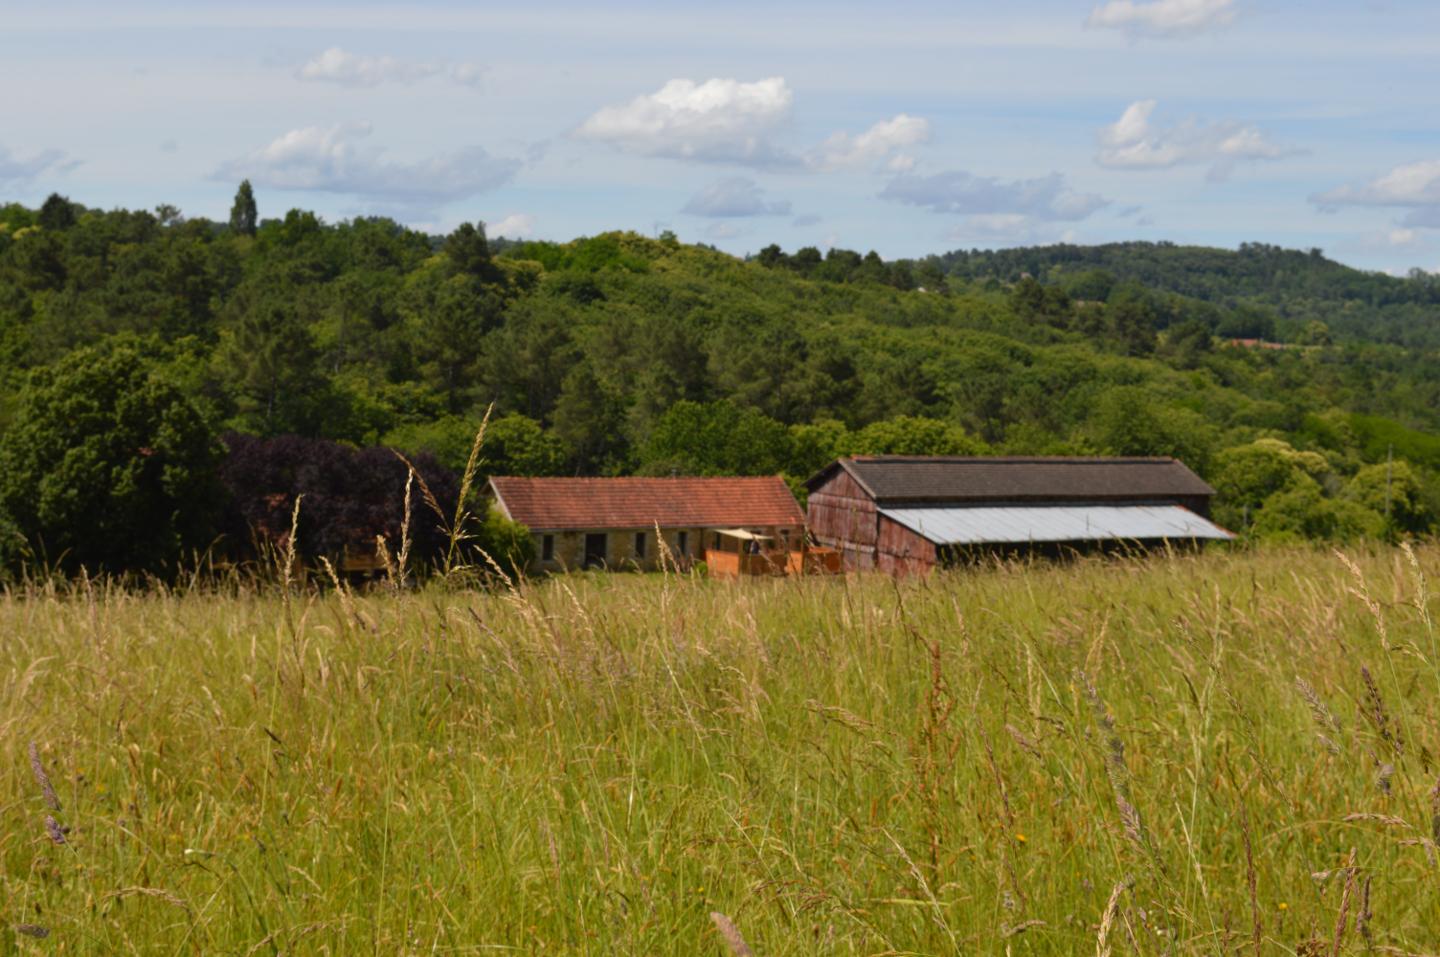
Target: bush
{"type": "Point", "coordinates": [109, 465]}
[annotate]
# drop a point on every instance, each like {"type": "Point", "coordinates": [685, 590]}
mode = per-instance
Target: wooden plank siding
{"type": "Point", "coordinates": [902, 551]}
{"type": "Point", "coordinates": [842, 515]}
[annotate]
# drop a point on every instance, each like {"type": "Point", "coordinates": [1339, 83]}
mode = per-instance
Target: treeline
{"type": "Point", "coordinates": [618, 354]}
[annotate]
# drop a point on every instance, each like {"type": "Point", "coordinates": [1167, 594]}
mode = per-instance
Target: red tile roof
{"type": "Point", "coordinates": [557, 504]}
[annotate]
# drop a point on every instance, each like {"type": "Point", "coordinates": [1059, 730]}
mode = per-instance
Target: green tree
{"type": "Point", "coordinates": [57, 214]}
{"type": "Point", "coordinates": [109, 465]}
{"type": "Point", "coordinates": [914, 435]}
{"type": "Point", "coordinates": [244, 217]}
{"type": "Point", "coordinates": [716, 438]}
{"type": "Point", "coordinates": [1392, 490]}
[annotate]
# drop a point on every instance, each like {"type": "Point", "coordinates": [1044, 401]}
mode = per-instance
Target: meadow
{"type": "Point", "coordinates": [1224, 753]}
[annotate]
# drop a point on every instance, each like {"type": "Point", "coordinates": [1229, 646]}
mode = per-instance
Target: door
{"type": "Point", "coordinates": [595, 550]}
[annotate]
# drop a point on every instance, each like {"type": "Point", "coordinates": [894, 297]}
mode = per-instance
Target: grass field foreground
{"type": "Point", "coordinates": [1229, 753]}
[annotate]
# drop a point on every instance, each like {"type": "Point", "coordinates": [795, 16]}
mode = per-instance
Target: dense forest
{"type": "Point", "coordinates": [166, 383]}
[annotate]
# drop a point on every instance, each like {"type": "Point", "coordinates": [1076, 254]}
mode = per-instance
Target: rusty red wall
{"type": "Point", "coordinates": [842, 515]}
{"type": "Point", "coordinates": [901, 551]}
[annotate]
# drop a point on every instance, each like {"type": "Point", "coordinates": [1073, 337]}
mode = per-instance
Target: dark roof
{"type": "Point", "coordinates": [554, 504]}
{"type": "Point", "coordinates": [903, 478]}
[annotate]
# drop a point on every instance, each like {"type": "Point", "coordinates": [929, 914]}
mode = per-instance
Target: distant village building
{"type": "Point", "coordinates": [908, 513]}
{"type": "Point", "coordinates": [739, 525]}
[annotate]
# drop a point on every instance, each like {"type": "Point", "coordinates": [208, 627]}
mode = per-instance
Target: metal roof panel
{"type": "Point", "coordinates": [1055, 523]}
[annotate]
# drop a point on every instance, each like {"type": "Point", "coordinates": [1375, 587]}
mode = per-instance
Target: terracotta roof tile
{"type": "Point", "coordinates": [552, 504]}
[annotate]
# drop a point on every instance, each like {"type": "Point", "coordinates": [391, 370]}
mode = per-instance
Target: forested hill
{"type": "Point", "coordinates": [621, 354]}
{"type": "Point", "coordinates": [1300, 287]}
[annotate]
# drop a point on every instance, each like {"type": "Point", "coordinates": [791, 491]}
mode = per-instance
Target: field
{"type": "Point", "coordinates": [1231, 753]}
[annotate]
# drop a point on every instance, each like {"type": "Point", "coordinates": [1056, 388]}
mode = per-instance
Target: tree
{"type": "Point", "coordinates": [57, 214]}
{"type": "Point", "coordinates": [244, 218]}
{"type": "Point", "coordinates": [109, 465]}
{"type": "Point", "coordinates": [914, 435]}
{"type": "Point", "coordinates": [468, 250]}
{"type": "Point", "coordinates": [1392, 490]}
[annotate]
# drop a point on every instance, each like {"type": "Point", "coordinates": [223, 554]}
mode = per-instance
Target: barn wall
{"type": "Point", "coordinates": [842, 515]}
{"type": "Point", "coordinates": [901, 551]}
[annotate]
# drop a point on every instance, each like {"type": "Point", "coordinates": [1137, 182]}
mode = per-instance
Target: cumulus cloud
{"type": "Point", "coordinates": [514, 226]}
{"type": "Point", "coordinates": [730, 121]}
{"type": "Point", "coordinates": [336, 159]}
{"type": "Point", "coordinates": [1133, 142]}
{"type": "Point", "coordinates": [1412, 186]}
{"type": "Point", "coordinates": [1044, 199]}
{"type": "Point", "coordinates": [723, 121]}
{"type": "Point", "coordinates": [1163, 17]}
{"type": "Point", "coordinates": [353, 69]}
{"type": "Point", "coordinates": [884, 143]}
{"type": "Point", "coordinates": [732, 198]}
{"type": "Point", "coordinates": [16, 170]}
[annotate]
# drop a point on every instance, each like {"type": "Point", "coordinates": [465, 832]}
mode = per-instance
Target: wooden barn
{"type": "Point", "coordinates": [904, 514]}
{"type": "Point", "coordinates": [738, 525]}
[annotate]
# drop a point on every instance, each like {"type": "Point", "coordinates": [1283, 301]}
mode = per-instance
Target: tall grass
{"type": "Point", "coordinates": [1215, 754]}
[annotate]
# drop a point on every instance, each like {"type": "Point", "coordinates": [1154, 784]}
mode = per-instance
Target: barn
{"type": "Point", "coordinates": [740, 525]}
{"type": "Point", "coordinates": [910, 513]}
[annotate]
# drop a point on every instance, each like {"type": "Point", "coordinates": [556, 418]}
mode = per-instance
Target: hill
{"type": "Point", "coordinates": [618, 353]}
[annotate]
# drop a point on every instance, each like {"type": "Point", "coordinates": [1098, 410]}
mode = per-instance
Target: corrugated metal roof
{"type": "Point", "coordinates": [560, 504]}
{"type": "Point", "coordinates": [1055, 523]}
{"type": "Point", "coordinates": [895, 479]}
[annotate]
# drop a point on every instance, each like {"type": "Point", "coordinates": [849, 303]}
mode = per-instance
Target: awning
{"type": "Point", "coordinates": [1055, 523]}
{"type": "Point", "coordinates": [742, 534]}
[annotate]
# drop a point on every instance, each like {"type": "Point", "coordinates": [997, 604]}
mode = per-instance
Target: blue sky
{"type": "Point", "coordinates": [908, 128]}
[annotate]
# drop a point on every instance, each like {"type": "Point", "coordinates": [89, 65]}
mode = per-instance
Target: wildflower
{"type": "Point", "coordinates": [1284, 906]}
{"type": "Point", "coordinates": [1020, 838]}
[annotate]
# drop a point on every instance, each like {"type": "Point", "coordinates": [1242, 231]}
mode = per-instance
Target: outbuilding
{"type": "Point", "coordinates": [911, 513]}
{"type": "Point", "coordinates": [751, 523]}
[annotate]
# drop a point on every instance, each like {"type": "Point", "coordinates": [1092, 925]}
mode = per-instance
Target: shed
{"type": "Point", "coordinates": [911, 513]}
{"type": "Point", "coordinates": [612, 522]}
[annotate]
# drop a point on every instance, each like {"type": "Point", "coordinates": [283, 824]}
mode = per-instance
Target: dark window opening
{"type": "Point", "coordinates": [547, 548]}
{"type": "Point", "coordinates": [682, 543]}
{"type": "Point", "coordinates": [595, 550]}
{"type": "Point", "coordinates": [639, 544]}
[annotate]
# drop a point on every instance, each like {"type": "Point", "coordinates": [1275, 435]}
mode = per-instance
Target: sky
{"type": "Point", "coordinates": [908, 127]}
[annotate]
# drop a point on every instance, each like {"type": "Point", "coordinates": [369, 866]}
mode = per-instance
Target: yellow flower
{"type": "Point", "coordinates": [1020, 838]}
{"type": "Point", "coordinates": [1284, 906]}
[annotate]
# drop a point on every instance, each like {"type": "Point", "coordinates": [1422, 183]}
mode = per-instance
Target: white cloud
{"type": "Point", "coordinates": [1401, 237]}
{"type": "Point", "coordinates": [16, 171]}
{"type": "Point", "coordinates": [729, 121]}
{"type": "Point", "coordinates": [734, 197]}
{"type": "Point", "coordinates": [1133, 142]}
{"type": "Point", "coordinates": [718, 121]}
{"type": "Point", "coordinates": [882, 143]}
{"type": "Point", "coordinates": [352, 69]}
{"type": "Point", "coordinates": [1413, 186]}
{"type": "Point", "coordinates": [514, 226]}
{"type": "Point", "coordinates": [1044, 199]}
{"type": "Point", "coordinates": [1163, 17]}
{"type": "Point", "coordinates": [335, 159]}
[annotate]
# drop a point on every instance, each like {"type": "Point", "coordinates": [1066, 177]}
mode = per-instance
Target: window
{"type": "Point", "coordinates": [682, 543]}
{"type": "Point", "coordinates": [639, 544]}
{"type": "Point", "coordinates": [547, 548]}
